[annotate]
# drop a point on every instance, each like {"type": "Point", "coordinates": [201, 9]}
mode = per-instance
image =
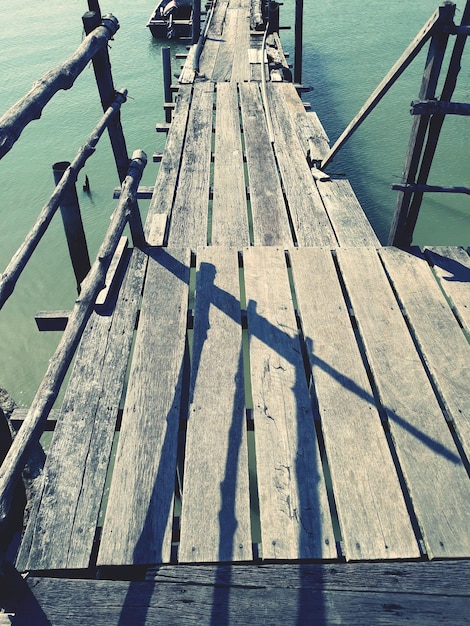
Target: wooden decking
{"type": "Point", "coordinates": [266, 384]}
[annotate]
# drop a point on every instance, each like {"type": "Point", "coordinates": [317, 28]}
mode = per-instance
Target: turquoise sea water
{"type": "Point", "coordinates": [348, 47]}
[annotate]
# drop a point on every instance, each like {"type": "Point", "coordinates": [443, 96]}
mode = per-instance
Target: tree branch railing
{"type": "Point", "coordinates": [30, 107]}
{"type": "Point", "coordinates": [20, 259]}
{"type": "Point", "coordinates": [126, 212]}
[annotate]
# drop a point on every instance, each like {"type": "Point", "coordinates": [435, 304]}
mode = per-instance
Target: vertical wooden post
{"type": "Point", "coordinates": [73, 226]}
{"type": "Point", "coordinates": [104, 80]}
{"type": "Point", "coordinates": [273, 17]}
{"type": "Point", "coordinates": [299, 25]}
{"type": "Point", "coordinates": [166, 62]}
{"type": "Point", "coordinates": [196, 31]}
{"type": "Point", "coordinates": [136, 167]}
{"type": "Point", "coordinates": [408, 203]}
{"type": "Point", "coordinates": [94, 5]}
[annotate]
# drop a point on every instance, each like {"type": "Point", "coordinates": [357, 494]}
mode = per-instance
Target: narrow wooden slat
{"type": "Point", "coordinates": [323, 594]}
{"type": "Point", "coordinates": [137, 526]}
{"type": "Point", "coordinates": [112, 275]}
{"type": "Point", "coordinates": [215, 518]}
{"type": "Point", "coordinates": [374, 520]}
{"type": "Point", "coordinates": [270, 222]}
{"type": "Point", "coordinates": [294, 513]}
{"type": "Point", "coordinates": [434, 473]}
{"type": "Point", "coordinates": [439, 336]}
{"type": "Point", "coordinates": [241, 63]}
{"type": "Point", "coordinates": [188, 73]}
{"type": "Point", "coordinates": [229, 211]}
{"type": "Point", "coordinates": [308, 215]}
{"type": "Point", "coordinates": [224, 62]}
{"type": "Point", "coordinates": [307, 125]}
{"type": "Point", "coordinates": [190, 212]}
{"type": "Point", "coordinates": [168, 172]}
{"type": "Point", "coordinates": [452, 266]}
{"type": "Point", "coordinates": [62, 532]}
{"type": "Point", "coordinates": [213, 41]}
{"type": "Point", "coordinates": [352, 228]}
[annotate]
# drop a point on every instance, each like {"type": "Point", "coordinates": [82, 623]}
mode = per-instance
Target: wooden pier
{"type": "Point", "coordinates": [268, 417]}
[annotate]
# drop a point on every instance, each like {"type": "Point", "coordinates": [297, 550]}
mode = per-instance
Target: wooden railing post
{"type": "Point", "coordinates": [409, 203]}
{"type": "Point", "coordinates": [299, 24]}
{"type": "Point", "coordinates": [73, 225]}
{"type": "Point", "coordinates": [104, 80]}
{"type": "Point", "coordinates": [196, 30]}
{"type": "Point", "coordinates": [166, 62]}
{"type": "Point", "coordinates": [402, 228]}
{"type": "Point", "coordinates": [49, 388]}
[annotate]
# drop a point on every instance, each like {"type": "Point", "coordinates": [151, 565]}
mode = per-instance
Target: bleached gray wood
{"type": "Point", "coordinates": [169, 169]}
{"type": "Point", "coordinates": [318, 594]}
{"type": "Point", "coordinates": [351, 226]}
{"type": "Point", "coordinates": [188, 72]}
{"type": "Point", "coordinates": [215, 517]}
{"type": "Point", "coordinates": [137, 526]}
{"type": "Point", "coordinates": [241, 64]}
{"type": "Point", "coordinates": [61, 534]}
{"type": "Point", "coordinates": [438, 334]}
{"type": "Point", "coordinates": [452, 266]}
{"type": "Point", "coordinates": [222, 70]}
{"type": "Point", "coordinates": [270, 222]}
{"type": "Point", "coordinates": [229, 210]}
{"type": "Point", "coordinates": [308, 127]}
{"type": "Point", "coordinates": [374, 520]}
{"type": "Point", "coordinates": [59, 363]}
{"type": "Point", "coordinates": [310, 221]}
{"type": "Point", "coordinates": [433, 470]}
{"type": "Point", "coordinates": [213, 40]}
{"type": "Point", "coordinates": [294, 513]}
{"type": "Point", "coordinates": [190, 211]}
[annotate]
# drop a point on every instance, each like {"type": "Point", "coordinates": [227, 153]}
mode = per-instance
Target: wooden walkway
{"type": "Point", "coordinates": [266, 384]}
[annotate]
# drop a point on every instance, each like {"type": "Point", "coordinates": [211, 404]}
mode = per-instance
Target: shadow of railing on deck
{"type": "Point", "coordinates": [263, 329]}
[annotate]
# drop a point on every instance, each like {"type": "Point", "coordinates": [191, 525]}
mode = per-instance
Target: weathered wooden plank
{"type": "Point", "coordinates": [424, 444]}
{"type": "Point", "coordinates": [270, 221]}
{"type": "Point", "coordinates": [190, 211]}
{"type": "Point", "coordinates": [188, 72]}
{"type": "Point", "coordinates": [224, 62]}
{"type": "Point", "coordinates": [310, 221]}
{"type": "Point", "coordinates": [319, 594]}
{"type": "Point", "coordinates": [137, 526]}
{"type": "Point", "coordinates": [294, 513]}
{"type": "Point", "coordinates": [351, 226]}
{"type": "Point", "coordinates": [452, 267]}
{"type": "Point", "coordinates": [241, 64]}
{"type": "Point", "coordinates": [229, 210]}
{"type": "Point", "coordinates": [438, 334]}
{"type": "Point", "coordinates": [215, 517]}
{"type": "Point", "coordinates": [62, 532]}
{"type": "Point", "coordinates": [168, 171]}
{"type": "Point", "coordinates": [373, 517]}
{"type": "Point", "coordinates": [213, 40]}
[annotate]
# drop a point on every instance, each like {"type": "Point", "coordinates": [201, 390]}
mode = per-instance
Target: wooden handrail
{"type": "Point", "coordinates": [46, 395]}
{"type": "Point", "coordinates": [10, 276]}
{"type": "Point", "coordinates": [30, 107]}
{"type": "Point", "coordinates": [440, 16]}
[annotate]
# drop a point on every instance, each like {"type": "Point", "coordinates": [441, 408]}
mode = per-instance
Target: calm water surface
{"type": "Point", "coordinates": [348, 47]}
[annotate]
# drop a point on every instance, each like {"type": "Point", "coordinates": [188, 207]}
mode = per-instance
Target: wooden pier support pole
{"type": "Point", "coordinates": [73, 225]}
{"type": "Point", "coordinates": [168, 96]}
{"type": "Point", "coordinates": [299, 25]}
{"type": "Point", "coordinates": [104, 80]}
{"type": "Point", "coordinates": [273, 17]}
{"type": "Point", "coordinates": [136, 167]}
{"type": "Point", "coordinates": [196, 21]}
